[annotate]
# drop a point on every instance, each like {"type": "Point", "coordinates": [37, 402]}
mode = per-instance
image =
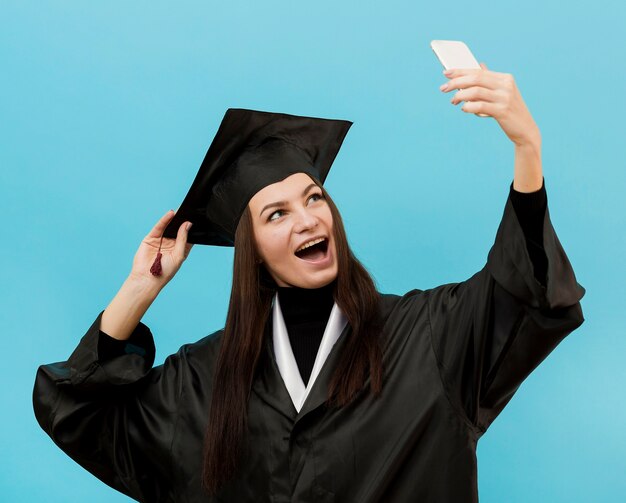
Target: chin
{"type": "Point", "coordinates": [320, 284]}
{"type": "Point", "coordinates": [310, 282]}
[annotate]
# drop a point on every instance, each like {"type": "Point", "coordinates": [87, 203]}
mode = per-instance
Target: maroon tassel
{"type": "Point", "coordinates": [156, 268]}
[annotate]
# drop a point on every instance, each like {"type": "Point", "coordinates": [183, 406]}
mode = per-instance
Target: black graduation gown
{"type": "Point", "coordinates": [454, 356]}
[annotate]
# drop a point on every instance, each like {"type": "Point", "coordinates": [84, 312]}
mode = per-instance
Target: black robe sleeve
{"type": "Point", "coordinates": [111, 412]}
{"type": "Point", "coordinates": [492, 330]}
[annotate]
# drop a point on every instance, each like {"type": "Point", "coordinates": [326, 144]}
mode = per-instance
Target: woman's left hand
{"type": "Point", "coordinates": [496, 95]}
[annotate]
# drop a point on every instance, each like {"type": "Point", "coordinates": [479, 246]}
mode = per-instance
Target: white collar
{"type": "Point", "coordinates": [285, 360]}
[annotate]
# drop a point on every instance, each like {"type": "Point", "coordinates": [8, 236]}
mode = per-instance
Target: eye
{"type": "Point", "coordinates": [317, 196]}
{"type": "Point", "coordinates": [278, 213]}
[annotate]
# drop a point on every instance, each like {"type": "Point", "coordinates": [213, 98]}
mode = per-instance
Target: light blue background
{"type": "Point", "coordinates": [107, 108]}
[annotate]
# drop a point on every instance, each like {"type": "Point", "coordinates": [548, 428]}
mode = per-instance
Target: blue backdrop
{"type": "Point", "coordinates": [107, 109]}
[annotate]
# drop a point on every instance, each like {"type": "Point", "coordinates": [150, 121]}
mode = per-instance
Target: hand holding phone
{"type": "Point", "coordinates": [455, 54]}
{"type": "Point", "coordinates": [487, 93]}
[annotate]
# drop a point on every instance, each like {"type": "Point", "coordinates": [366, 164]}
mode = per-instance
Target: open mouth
{"type": "Point", "coordinates": [314, 253]}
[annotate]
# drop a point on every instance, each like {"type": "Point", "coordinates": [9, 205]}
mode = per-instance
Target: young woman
{"type": "Point", "coordinates": [319, 388]}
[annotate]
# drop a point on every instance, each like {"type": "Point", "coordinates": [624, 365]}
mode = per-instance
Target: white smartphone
{"type": "Point", "coordinates": [454, 54]}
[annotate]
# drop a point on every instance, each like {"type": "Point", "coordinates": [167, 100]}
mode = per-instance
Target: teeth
{"type": "Point", "coordinates": [310, 243]}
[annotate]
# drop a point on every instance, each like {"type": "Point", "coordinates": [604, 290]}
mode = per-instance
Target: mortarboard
{"type": "Point", "coordinates": [252, 149]}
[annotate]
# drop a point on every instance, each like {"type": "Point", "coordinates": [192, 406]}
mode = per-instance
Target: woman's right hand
{"type": "Point", "coordinates": [174, 252]}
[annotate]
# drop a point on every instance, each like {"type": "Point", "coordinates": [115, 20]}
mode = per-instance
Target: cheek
{"type": "Point", "coordinates": [326, 215]}
{"type": "Point", "coordinates": [274, 245]}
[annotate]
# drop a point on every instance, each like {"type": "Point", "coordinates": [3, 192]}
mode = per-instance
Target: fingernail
{"type": "Point", "coordinates": [443, 87]}
{"type": "Point", "coordinates": [189, 224]}
{"type": "Point", "coordinates": [447, 72]}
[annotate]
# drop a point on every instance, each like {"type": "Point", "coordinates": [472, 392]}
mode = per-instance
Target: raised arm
{"type": "Point", "coordinates": [106, 406]}
{"type": "Point", "coordinates": [490, 331]}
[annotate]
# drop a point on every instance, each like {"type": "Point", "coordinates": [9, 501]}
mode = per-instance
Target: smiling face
{"type": "Point", "coordinates": [293, 231]}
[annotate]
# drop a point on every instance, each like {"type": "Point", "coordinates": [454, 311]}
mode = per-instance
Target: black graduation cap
{"type": "Point", "coordinates": [253, 149]}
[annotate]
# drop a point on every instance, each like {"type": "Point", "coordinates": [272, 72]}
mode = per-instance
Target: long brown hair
{"type": "Point", "coordinates": [242, 342]}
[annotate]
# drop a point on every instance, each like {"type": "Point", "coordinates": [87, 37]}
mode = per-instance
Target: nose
{"type": "Point", "coordinates": [305, 220]}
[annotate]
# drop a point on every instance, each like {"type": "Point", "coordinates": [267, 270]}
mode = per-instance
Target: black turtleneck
{"type": "Point", "coordinates": [530, 208]}
{"type": "Point", "coordinates": [306, 312]}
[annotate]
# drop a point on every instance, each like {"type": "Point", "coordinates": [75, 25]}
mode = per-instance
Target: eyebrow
{"type": "Point", "coordinates": [283, 203]}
